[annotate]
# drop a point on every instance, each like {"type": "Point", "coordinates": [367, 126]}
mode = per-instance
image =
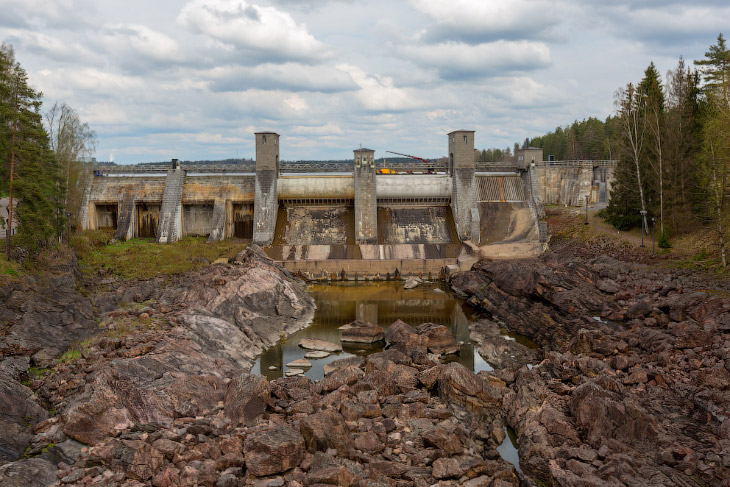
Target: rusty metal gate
{"type": "Point", "coordinates": [148, 218]}
{"type": "Point", "coordinates": [243, 220]}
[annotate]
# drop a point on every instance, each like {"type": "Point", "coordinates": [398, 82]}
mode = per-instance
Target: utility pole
{"type": "Point", "coordinates": [643, 225]}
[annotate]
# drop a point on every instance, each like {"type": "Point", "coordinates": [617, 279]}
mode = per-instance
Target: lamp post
{"type": "Point", "coordinates": [643, 228]}
{"type": "Point", "coordinates": [653, 234]}
{"type": "Point", "coordinates": [68, 238]}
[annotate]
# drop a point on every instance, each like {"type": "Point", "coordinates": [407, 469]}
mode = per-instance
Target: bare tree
{"type": "Point", "coordinates": [73, 142]}
{"type": "Point", "coordinates": [632, 123]}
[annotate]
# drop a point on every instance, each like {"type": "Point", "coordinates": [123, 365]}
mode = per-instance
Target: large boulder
{"type": "Point", "coordinates": [326, 429]}
{"type": "Point", "coordinates": [19, 411]}
{"type": "Point", "coordinates": [246, 399]}
{"type": "Point", "coordinates": [31, 472]}
{"type": "Point", "coordinates": [273, 450]}
{"type": "Point", "coordinates": [601, 414]}
{"type": "Point", "coordinates": [361, 332]}
{"type": "Point", "coordinates": [438, 338]}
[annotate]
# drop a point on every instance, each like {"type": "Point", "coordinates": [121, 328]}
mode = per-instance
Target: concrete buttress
{"type": "Point", "coordinates": [366, 204]}
{"type": "Point", "coordinates": [170, 226]}
{"type": "Point", "coordinates": [266, 198]}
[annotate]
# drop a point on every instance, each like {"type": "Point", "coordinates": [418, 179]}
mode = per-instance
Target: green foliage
{"type": "Point", "coordinates": [70, 356]}
{"type": "Point", "coordinates": [35, 183]}
{"type": "Point", "coordinates": [663, 241]}
{"type": "Point", "coordinates": [701, 255]}
{"type": "Point", "coordinates": [587, 139]}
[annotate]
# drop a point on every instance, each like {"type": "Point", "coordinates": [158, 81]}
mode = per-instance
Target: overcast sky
{"type": "Point", "coordinates": [193, 79]}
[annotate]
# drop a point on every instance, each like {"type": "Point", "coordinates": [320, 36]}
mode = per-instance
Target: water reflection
{"type": "Point", "coordinates": [377, 302]}
{"type": "Point", "coordinates": [508, 448]}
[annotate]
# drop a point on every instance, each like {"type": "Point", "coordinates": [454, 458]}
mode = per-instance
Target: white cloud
{"type": "Point", "coordinates": [455, 60]}
{"type": "Point", "coordinates": [287, 76]}
{"type": "Point", "coordinates": [477, 21]}
{"type": "Point", "coordinates": [380, 93]}
{"type": "Point", "coordinates": [266, 30]}
{"type": "Point", "coordinates": [134, 41]}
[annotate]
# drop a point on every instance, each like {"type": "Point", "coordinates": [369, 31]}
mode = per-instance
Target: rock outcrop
{"type": "Point", "coordinates": [633, 386]}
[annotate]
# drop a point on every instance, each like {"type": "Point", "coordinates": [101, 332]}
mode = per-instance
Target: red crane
{"type": "Point", "coordinates": [429, 170]}
{"type": "Point", "coordinates": [406, 155]}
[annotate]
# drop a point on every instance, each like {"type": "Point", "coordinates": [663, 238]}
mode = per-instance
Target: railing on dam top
{"type": "Point", "coordinates": [580, 163]}
{"type": "Point", "coordinates": [338, 167]}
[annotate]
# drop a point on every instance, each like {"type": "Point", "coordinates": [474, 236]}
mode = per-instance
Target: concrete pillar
{"type": "Point", "coordinates": [462, 169]}
{"type": "Point", "coordinates": [366, 204]}
{"type": "Point", "coordinates": [266, 200]}
{"type": "Point", "coordinates": [170, 225]}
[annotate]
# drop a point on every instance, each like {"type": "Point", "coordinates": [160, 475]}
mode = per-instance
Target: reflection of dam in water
{"type": "Point", "coordinates": [381, 303]}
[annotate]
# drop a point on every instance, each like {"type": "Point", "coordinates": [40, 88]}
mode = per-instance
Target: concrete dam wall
{"type": "Point", "coordinates": [572, 182]}
{"type": "Point", "coordinates": [320, 223]}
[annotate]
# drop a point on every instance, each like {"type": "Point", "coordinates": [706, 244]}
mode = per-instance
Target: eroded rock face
{"type": "Point", "coordinates": [180, 372]}
{"type": "Point", "coordinates": [631, 389]}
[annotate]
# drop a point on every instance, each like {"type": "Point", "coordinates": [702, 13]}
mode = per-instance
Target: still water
{"type": "Point", "coordinates": [377, 302]}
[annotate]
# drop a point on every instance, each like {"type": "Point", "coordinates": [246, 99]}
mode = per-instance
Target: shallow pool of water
{"type": "Point", "coordinates": [377, 302]}
{"type": "Point", "coordinates": [508, 448]}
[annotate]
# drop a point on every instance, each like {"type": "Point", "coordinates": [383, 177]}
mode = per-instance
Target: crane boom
{"type": "Point", "coordinates": [407, 155]}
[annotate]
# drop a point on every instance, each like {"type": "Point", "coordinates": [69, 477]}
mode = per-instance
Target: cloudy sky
{"type": "Point", "coordinates": [193, 79]}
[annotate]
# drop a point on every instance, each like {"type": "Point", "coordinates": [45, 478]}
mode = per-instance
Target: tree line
{"type": "Point", "coordinates": [671, 138]}
{"type": "Point", "coordinates": [40, 152]}
{"type": "Point", "coordinates": [673, 141]}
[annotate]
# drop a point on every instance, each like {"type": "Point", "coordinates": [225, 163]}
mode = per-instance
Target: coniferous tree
{"type": "Point", "coordinates": [33, 174]}
{"type": "Point", "coordinates": [714, 160]}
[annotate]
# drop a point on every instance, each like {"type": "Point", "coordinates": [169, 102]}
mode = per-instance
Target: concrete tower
{"type": "Point", "coordinates": [464, 197]}
{"type": "Point", "coordinates": [266, 201]}
{"type": "Point", "coordinates": [366, 205]}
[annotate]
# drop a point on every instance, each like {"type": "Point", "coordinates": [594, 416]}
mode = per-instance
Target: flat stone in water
{"type": "Point", "coordinates": [315, 354]}
{"type": "Point", "coordinates": [273, 367]}
{"type": "Point", "coordinates": [316, 344]}
{"type": "Point", "coordinates": [293, 372]}
{"type": "Point", "coordinates": [300, 363]}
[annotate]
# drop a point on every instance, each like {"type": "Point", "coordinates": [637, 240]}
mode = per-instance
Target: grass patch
{"type": "Point", "coordinates": [35, 373]}
{"type": "Point", "coordinates": [9, 269]}
{"type": "Point", "coordinates": [143, 258]}
{"type": "Point", "coordinates": [75, 352]}
{"type": "Point", "coordinates": [70, 356]}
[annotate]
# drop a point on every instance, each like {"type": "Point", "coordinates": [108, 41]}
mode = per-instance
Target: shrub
{"type": "Point", "coordinates": [663, 241]}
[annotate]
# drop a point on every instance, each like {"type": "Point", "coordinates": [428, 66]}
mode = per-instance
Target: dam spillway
{"type": "Point", "coordinates": [320, 222]}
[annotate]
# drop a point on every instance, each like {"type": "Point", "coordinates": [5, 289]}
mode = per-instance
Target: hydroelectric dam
{"type": "Point", "coordinates": [325, 223]}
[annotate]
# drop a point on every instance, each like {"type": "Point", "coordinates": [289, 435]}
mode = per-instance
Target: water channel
{"type": "Point", "coordinates": [382, 303]}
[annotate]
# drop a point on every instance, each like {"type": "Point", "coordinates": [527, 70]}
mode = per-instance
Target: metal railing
{"type": "Point", "coordinates": [315, 166]}
{"type": "Point", "coordinates": [580, 163]}
{"type": "Point", "coordinates": [397, 167]}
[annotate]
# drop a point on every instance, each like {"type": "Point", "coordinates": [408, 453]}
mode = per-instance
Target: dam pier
{"type": "Point", "coordinates": [327, 221]}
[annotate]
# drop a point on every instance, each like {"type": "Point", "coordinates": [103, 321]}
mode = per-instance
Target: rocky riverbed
{"type": "Point", "coordinates": [630, 386]}
{"type": "Point", "coordinates": [634, 388]}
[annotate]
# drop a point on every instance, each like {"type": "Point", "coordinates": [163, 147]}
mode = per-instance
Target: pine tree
{"type": "Point", "coordinates": [33, 172]}
{"type": "Point", "coordinates": [716, 68]}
